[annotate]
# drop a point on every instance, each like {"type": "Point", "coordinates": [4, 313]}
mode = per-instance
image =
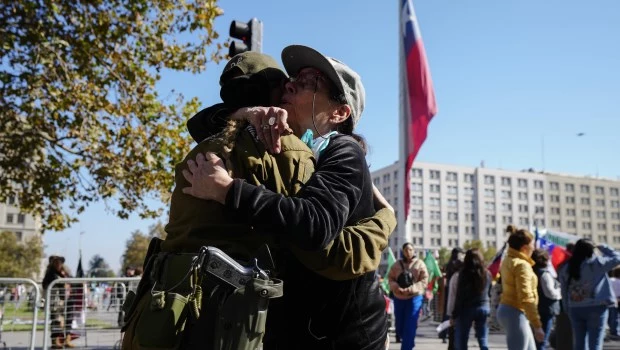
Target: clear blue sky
{"type": "Point", "coordinates": [506, 74]}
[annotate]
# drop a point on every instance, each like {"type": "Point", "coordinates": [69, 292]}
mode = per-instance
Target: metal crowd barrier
{"type": "Point", "coordinates": [19, 306]}
{"type": "Point", "coordinates": [85, 312]}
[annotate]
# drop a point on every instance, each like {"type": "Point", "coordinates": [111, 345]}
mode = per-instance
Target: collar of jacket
{"type": "Point", "coordinates": [513, 253]}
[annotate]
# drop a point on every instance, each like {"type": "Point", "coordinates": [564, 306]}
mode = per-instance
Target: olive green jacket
{"type": "Point", "coordinates": [195, 222]}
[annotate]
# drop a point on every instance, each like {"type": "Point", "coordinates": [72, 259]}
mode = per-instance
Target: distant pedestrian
{"type": "Point", "coordinates": [518, 308]}
{"type": "Point", "coordinates": [468, 302]}
{"type": "Point", "coordinates": [587, 292]}
{"type": "Point", "coordinates": [408, 280]}
{"type": "Point", "coordinates": [454, 265]}
{"type": "Point", "coordinates": [612, 322]}
{"type": "Point", "coordinates": [549, 294]}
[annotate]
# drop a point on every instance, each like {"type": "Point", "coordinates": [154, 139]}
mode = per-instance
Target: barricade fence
{"type": "Point", "coordinates": [19, 307]}
{"type": "Point", "coordinates": [85, 312]}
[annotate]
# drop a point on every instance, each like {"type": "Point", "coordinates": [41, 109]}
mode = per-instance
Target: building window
{"type": "Point", "coordinates": [539, 197]}
{"type": "Point", "coordinates": [416, 214]}
{"type": "Point", "coordinates": [600, 190]}
{"type": "Point", "coordinates": [452, 203]}
{"type": "Point", "coordinates": [615, 215]}
{"type": "Point", "coordinates": [469, 204]}
{"type": "Point", "coordinates": [506, 220]}
{"type": "Point", "coordinates": [600, 214]}
{"type": "Point", "coordinates": [435, 228]}
{"type": "Point", "coordinates": [555, 211]}
{"type": "Point", "coordinates": [470, 217]}
{"type": "Point", "coordinates": [491, 231]}
{"type": "Point", "coordinates": [569, 187]}
{"type": "Point", "coordinates": [489, 180]}
{"type": "Point", "coordinates": [451, 176]}
{"type": "Point", "coordinates": [522, 195]}
{"type": "Point", "coordinates": [395, 174]}
{"type": "Point", "coordinates": [614, 192]}
{"type": "Point", "coordinates": [602, 238]}
{"type": "Point", "coordinates": [416, 200]}
{"type": "Point", "coordinates": [571, 224]}
{"type": "Point", "coordinates": [615, 204]}
{"type": "Point", "coordinates": [453, 216]}
{"type": "Point", "coordinates": [9, 218]}
{"type": "Point", "coordinates": [539, 222]}
{"type": "Point", "coordinates": [452, 190]}
{"type": "Point", "coordinates": [585, 213]}
{"type": "Point", "coordinates": [489, 193]}
{"type": "Point", "coordinates": [416, 187]}
{"type": "Point", "coordinates": [585, 188]}
{"type": "Point", "coordinates": [570, 199]}
{"type": "Point", "coordinates": [469, 178]}
{"type": "Point", "coordinates": [600, 202]}
{"type": "Point", "coordinates": [435, 215]}
{"type": "Point", "coordinates": [417, 227]}
{"type": "Point", "coordinates": [469, 191]}
{"type": "Point", "coordinates": [435, 202]}
{"type": "Point", "coordinates": [539, 210]}
{"type": "Point", "coordinates": [522, 182]}
{"type": "Point", "coordinates": [570, 212]}
{"type": "Point", "coordinates": [554, 198]}
{"type": "Point", "coordinates": [586, 225]}
{"type": "Point", "coordinates": [522, 208]}
{"type": "Point", "coordinates": [489, 205]}
{"type": "Point", "coordinates": [453, 229]}
{"type": "Point", "coordinates": [434, 188]}
{"type": "Point", "coordinates": [376, 181]}
{"type": "Point", "coordinates": [601, 226]}
{"type": "Point", "coordinates": [506, 207]}
{"type": "Point", "coordinates": [506, 181]}
{"type": "Point", "coordinates": [434, 174]}
{"type": "Point", "coordinates": [585, 201]}
{"type": "Point", "coordinates": [555, 223]}
{"type": "Point", "coordinates": [21, 218]}
{"type": "Point", "coordinates": [554, 186]}
{"type": "Point", "coordinates": [524, 221]}
{"type": "Point", "coordinates": [616, 228]}
{"type": "Point", "coordinates": [506, 194]}
{"type": "Point", "coordinates": [11, 199]}
{"type": "Point", "coordinates": [19, 236]}
{"type": "Point", "coordinates": [490, 219]}
{"type": "Point", "coordinates": [416, 173]}
{"type": "Point", "coordinates": [538, 184]}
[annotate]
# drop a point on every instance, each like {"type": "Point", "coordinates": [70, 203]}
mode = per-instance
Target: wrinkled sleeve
{"type": "Point", "coordinates": [419, 287]}
{"type": "Point", "coordinates": [549, 287]}
{"type": "Point", "coordinates": [317, 214]}
{"type": "Point", "coordinates": [452, 294]}
{"type": "Point", "coordinates": [610, 258]}
{"type": "Point", "coordinates": [357, 250]}
{"type": "Point", "coordinates": [526, 293]}
{"type": "Point", "coordinates": [395, 270]}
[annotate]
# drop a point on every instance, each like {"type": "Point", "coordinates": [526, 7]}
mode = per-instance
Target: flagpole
{"type": "Point", "coordinates": [403, 226]}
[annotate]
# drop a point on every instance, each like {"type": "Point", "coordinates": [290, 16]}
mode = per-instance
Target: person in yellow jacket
{"type": "Point", "coordinates": [518, 308]}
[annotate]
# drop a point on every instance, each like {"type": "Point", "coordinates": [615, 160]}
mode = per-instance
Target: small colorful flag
{"type": "Point", "coordinates": [390, 261]}
{"type": "Point", "coordinates": [496, 263]}
{"type": "Point", "coordinates": [434, 272]}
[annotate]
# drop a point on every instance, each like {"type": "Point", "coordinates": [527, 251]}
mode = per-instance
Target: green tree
{"type": "Point", "coordinates": [98, 267]}
{"type": "Point", "coordinates": [81, 119]}
{"type": "Point", "coordinates": [20, 259]}
{"type": "Point", "coordinates": [137, 245]}
{"type": "Point", "coordinates": [487, 253]}
{"type": "Point", "coordinates": [444, 256]}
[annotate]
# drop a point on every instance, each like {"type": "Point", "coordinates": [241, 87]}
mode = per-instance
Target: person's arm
{"type": "Point", "coordinates": [452, 294]}
{"type": "Point", "coordinates": [526, 293]}
{"type": "Point", "coordinates": [317, 214]}
{"type": "Point", "coordinates": [419, 287]}
{"type": "Point", "coordinates": [548, 285]}
{"type": "Point", "coordinates": [395, 270]}
{"type": "Point", "coordinates": [610, 258]}
{"type": "Point", "coordinates": [356, 251]}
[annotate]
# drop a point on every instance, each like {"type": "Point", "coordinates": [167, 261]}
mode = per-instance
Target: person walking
{"type": "Point", "coordinates": [454, 265]}
{"type": "Point", "coordinates": [588, 293]}
{"type": "Point", "coordinates": [518, 308]}
{"type": "Point", "coordinates": [408, 279]}
{"type": "Point", "coordinates": [549, 294]}
{"type": "Point", "coordinates": [612, 321]}
{"type": "Point", "coordinates": [468, 301]}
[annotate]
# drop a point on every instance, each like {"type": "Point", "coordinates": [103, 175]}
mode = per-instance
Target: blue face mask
{"type": "Point", "coordinates": [317, 144]}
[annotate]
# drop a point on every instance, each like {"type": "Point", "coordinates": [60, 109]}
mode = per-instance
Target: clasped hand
{"type": "Point", "coordinates": [208, 177]}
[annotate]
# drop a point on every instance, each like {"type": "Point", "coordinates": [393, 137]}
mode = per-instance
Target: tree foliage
{"type": "Point", "coordinates": [444, 256]}
{"type": "Point", "coordinates": [20, 259]}
{"type": "Point", "coordinates": [81, 119]}
{"type": "Point", "coordinates": [487, 253]}
{"type": "Point", "coordinates": [137, 245]}
{"type": "Point", "coordinates": [98, 267]}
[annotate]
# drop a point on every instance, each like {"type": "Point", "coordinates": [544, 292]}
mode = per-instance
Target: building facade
{"type": "Point", "coordinates": [21, 224]}
{"type": "Point", "coordinates": [450, 204]}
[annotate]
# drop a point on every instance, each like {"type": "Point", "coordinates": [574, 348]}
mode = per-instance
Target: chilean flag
{"type": "Point", "coordinates": [417, 95]}
{"type": "Point", "coordinates": [557, 254]}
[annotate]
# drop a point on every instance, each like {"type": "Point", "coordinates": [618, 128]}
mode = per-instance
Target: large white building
{"type": "Point", "coordinates": [452, 204]}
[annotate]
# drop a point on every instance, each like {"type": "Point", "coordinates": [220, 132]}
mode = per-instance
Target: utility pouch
{"type": "Point", "coordinates": [162, 320]}
{"type": "Point", "coordinates": [241, 319]}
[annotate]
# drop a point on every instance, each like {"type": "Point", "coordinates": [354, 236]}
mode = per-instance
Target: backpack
{"type": "Point", "coordinates": [405, 279]}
